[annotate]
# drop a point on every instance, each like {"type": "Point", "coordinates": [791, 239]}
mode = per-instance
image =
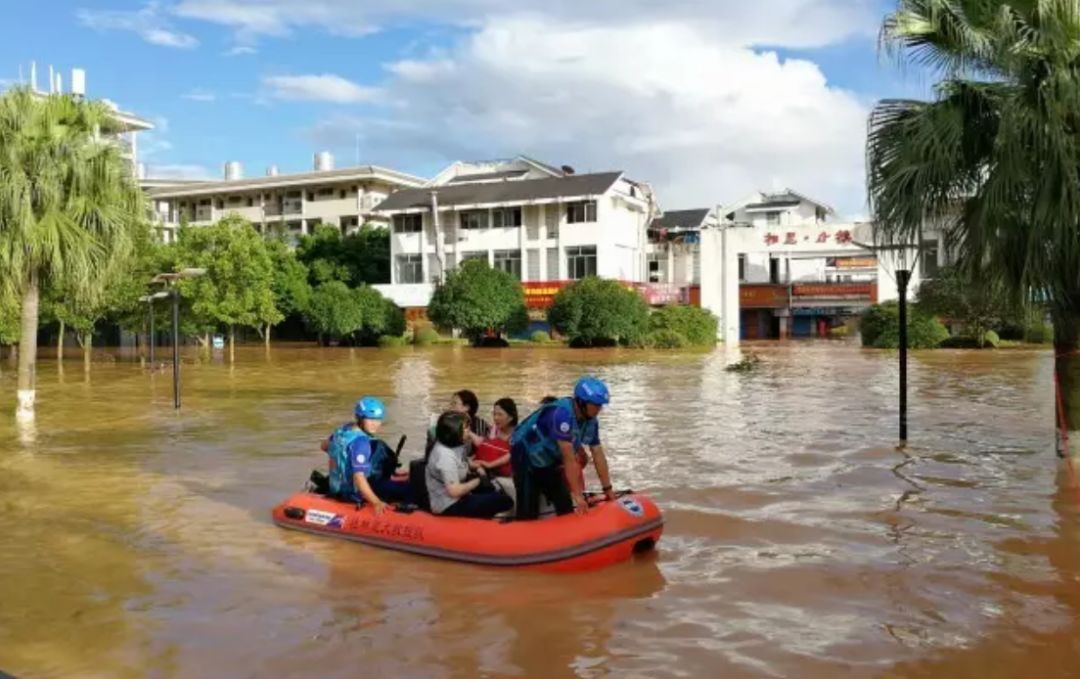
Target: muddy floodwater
{"type": "Point", "coordinates": [136, 541]}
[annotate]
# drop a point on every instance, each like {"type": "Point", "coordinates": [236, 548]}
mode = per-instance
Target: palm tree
{"type": "Point", "coordinates": [68, 205]}
{"type": "Point", "coordinates": [993, 160]}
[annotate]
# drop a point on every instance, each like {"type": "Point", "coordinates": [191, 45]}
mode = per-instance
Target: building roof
{"type": "Point", "coordinates": [286, 180]}
{"type": "Point", "coordinates": [492, 193]}
{"type": "Point", "coordinates": [681, 219]}
{"type": "Point", "coordinates": [785, 198]}
{"type": "Point", "coordinates": [486, 176]}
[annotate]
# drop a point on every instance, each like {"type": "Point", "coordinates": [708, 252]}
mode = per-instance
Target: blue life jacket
{"type": "Point", "coordinates": [341, 474]}
{"type": "Point", "coordinates": [538, 449]}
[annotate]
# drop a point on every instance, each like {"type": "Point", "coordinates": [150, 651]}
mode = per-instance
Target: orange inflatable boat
{"type": "Point", "coordinates": [610, 532]}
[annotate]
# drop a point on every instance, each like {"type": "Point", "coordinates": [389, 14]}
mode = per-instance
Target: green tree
{"type": "Point", "coordinates": [334, 312]}
{"type": "Point", "coordinates": [979, 306]}
{"type": "Point", "coordinates": [380, 316]}
{"type": "Point", "coordinates": [880, 327]}
{"type": "Point", "coordinates": [68, 205]}
{"type": "Point", "coordinates": [596, 311]}
{"type": "Point", "coordinates": [9, 320]}
{"type": "Point", "coordinates": [695, 325]}
{"type": "Point", "coordinates": [360, 258]}
{"type": "Point", "coordinates": [476, 298]}
{"type": "Point", "coordinates": [292, 291]}
{"type": "Point", "coordinates": [237, 289]}
{"type": "Point", "coordinates": [993, 159]}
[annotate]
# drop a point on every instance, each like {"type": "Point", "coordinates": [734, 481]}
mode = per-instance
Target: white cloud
{"type": "Point", "coordinates": [199, 94]}
{"type": "Point", "coordinates": [179, 171]}
{"type": "Point", "coordinates": [703, 120]}
{"type": "Point", "coordinates": [240, 51]}
{"type": "Point", "coordinates": [790, 23]}
{"type": "Point", "coordinates": [149, 23]}
{"type": "Point", "coordinates": [325, 87]}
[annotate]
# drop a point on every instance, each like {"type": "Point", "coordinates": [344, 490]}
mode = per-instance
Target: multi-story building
{"type": "Point", "coordinates": [544, 225]}
{"type": "Point", "coordinates": [290, 204]}
{"type": "Point", "coordinates": [673, 255]}
{"type": "Point", "coordinates": [798, 273]}
{"type": "Point", "coordinates": [125, 127]}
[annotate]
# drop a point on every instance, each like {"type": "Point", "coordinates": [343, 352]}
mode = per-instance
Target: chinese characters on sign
{"type": "Point", "coordinates": [842, 237]}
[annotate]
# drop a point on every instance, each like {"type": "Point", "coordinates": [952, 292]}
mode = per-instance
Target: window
{"type": "Point", "coordinates": [553, 264]}
{"type": "Point", "coordinates": [929, 257]}
{"type": "Point", "coordinates": [532, 260]}
{"type": "Point", "coordinates": [410, 269]}
{"type": "Point", "coordinates": [410, 223]}
{"type": "Point", "coordinates": [341, 194]}
{"type": "Point", "coordinates": [509, 261]}
{"type": "Point", "coordinates": [774, 270]}
{"type": "Point", "coordinates": [580, 262]}
{"type": "Point", "coordinates": [474, 254]}
{"type": "Point", "coordinates": [251, 202]}
{"type": "Point", "coordinates": [742, 267]}
{"type": "Point", "coordinates": [551, 216]}
{"type": "Point", "coordinates": [772, 218]}
{"type": "Point", "coordinates": [323, 193]}
{"type": "Point", "coordinates": [658, 268]}
{"type": "Point", "coordinates": [474, 219]}
{"type": "Point", "coordinates": [506, 217]}
{"type": "Point", "coordinates": [581, 211]}
{"type": "Point", "coordinates": [348, 223]}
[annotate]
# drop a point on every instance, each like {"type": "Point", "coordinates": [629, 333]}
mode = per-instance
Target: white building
{"type": "Point", "coordinates": [797, 272]}
{"type": "Point", "coordinates": [537, 222]}
{"type": "Point", "coordinates": [125, 127]}
{"type": "Point", "coordinates": [291, 204]}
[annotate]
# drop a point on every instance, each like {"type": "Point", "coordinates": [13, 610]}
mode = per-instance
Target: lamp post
{"type": "Point", "coordinates": [149, 299]}
{"type": "Point", "coordinates": [899, 255]}
{"type": "Point", "coordinates": [170, 280]}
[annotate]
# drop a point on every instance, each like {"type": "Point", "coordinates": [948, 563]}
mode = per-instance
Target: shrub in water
{"type": "Point", "coordinates": [665, 339]}
{"type": "Point", "coordinates": [598, 312]}
{"type": "Point", "coordinates": [425, 336]}
{"type": "Point", "coordinates": [880, 327]}
{"type": "Point", "coordinates": [540, 337]}
{"type": "Point", "coordinates": [697, 326]}
{"type": "Point", "coordinates": [390, 341]}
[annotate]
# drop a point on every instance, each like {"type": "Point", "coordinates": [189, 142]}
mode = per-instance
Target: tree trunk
{"type": "Point", "coordinates": [28, 350]}
{"type": "Point", "coordinates": [266, 335]}
{"type": "Point", "coordinates": [232, 343]}
{"type": "Point", "coordinates": [60, 343]}
{"type": "Point", "coordinates": [87, 350]}
{"type": "Point", "coordinates": [1067, 384]}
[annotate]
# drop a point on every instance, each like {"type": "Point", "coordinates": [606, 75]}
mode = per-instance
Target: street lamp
{"type": "Point", "coordinates": [149, 299]}
{"type": "Point", "coordinates": [899, 255]}
{"type": "Point", "coordinates": [170, 279]}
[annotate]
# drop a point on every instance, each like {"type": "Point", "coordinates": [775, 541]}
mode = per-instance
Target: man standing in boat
{"type": "Point", "coordinates": [544, 448]}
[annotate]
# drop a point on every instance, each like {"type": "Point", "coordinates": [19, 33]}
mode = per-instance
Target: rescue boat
{"type": "Point", "coordinates": [608, 533]}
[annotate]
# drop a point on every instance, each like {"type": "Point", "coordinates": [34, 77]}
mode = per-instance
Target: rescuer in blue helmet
{"type": "Point", "coordinates": [360, 463]}
{"type": "Point", "coordinates": [545, 447]}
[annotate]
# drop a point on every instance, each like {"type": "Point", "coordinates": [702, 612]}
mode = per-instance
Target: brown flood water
{"type": "Point", "coordinates": [137, 542]}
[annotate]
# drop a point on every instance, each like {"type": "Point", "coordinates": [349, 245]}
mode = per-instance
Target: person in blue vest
{"type": "Point", "coordinates": [361, 464]}
{"type": "Point", "coordinates": [547, 447]}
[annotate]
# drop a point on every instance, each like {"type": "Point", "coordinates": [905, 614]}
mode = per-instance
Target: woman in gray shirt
{"type": "Point", "coordinates": [451, 490]}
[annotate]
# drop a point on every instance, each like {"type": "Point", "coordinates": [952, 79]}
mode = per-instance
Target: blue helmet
{"type": "Point", "coordinates": [369, 408]}
{"type": "Point", "coordinates": [590, 389]}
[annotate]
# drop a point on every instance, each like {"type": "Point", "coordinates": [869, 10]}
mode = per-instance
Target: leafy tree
{"type": "Point", "coordinates": [993, 158]}
{"type": "Point", "coordinates": [360, 258]}
{"type": "Point", "coordinates": [334, 312]}
{"type": "Point", "coordinates": [880, 327]}
{"type": "Point", "coordinates": [381, 317]}
{"type": "Point", "coordinates": [292, 291]}
{"type": "Point", "coordinates": [596, 311]}
{"type": "Point", "coordinates": [237, 289]}
{"type": "Point", "coordinates": [476, 298]}
{"type": "Point", "coordinates": [695, 325]}
{"type": "Point", "coordinates": [978, 305]}
{"type": "Point", "coordinates": [68, 205]}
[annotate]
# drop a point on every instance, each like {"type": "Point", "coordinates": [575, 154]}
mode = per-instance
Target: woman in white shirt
{"type": "Point", "coordinates": [452, 490]}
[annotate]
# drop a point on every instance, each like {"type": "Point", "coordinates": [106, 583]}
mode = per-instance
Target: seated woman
{"type": "Point", "coordinates": [450, 490]}
{"type": "Point", "coordinates": [465, 402]}
{"type": "Point", "coordinates": [493, 453]}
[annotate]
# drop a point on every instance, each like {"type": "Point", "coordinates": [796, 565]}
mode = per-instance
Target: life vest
{"type": "Point", "coordinates": [492, 449]}
{"type": "Point", "coordinates": [537, 449]}
{"type": "Point", "coordinates": [341, 471]}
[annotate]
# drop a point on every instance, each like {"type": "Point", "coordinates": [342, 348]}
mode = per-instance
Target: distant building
{"type": "Point", "coordinates": [290, 204]}
{"type": "Point", "coordinates": [546, 226]}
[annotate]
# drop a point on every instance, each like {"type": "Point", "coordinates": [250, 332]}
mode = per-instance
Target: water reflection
{"type": "Point", "coordinates": [798, 541]}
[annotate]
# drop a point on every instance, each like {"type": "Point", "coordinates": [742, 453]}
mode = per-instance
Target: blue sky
{"type": "Point", "coordinates": [706, 103]}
